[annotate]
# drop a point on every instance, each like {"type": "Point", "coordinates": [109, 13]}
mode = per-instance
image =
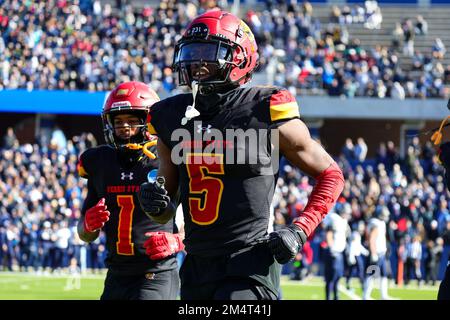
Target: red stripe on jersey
{"type": "Point", "coordinates": [80, 168]}
{"type": "Point", "coordinates": [281, 97]}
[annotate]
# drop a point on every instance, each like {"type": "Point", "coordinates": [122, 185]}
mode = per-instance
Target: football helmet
{"type": "Point", "coordinates": [130, 98]}
{"type": "Point", "coordinates": [220, 41]}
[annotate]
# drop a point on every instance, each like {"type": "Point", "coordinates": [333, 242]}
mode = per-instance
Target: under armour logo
{"type": "Point", "coordinates": [200, 128]}
{"type": "Point", "coordinates": [129, 176]}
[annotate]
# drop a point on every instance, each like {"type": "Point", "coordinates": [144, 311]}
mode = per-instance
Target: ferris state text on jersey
{"type": "Point", "coordinates": [119, 184]}
{"type": "Point", "coordinates": [225, 199]}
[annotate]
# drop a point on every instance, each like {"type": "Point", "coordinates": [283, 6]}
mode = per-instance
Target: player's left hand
{"type": "Point", "coordinates": [286, 243]}
{"type": "Point", "coordinates": [153, 199]}
{"type": "Point", "coordinates": [160, 244]}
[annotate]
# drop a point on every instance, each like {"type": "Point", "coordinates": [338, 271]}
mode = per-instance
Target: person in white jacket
{"type": "Point", "coordinates": [337, 231]}
{"type": "Point", "coordinates": [376, 230]}
{"type": "Point", "coordinates": [356, 254]}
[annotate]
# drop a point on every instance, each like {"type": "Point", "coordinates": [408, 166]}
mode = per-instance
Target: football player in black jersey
{"type": "Point", "coordinates": [444, 157]}
{"type": "Point", "coordinates": [141, 253]}
{"type": "Point", "coordinates": [218, 154]}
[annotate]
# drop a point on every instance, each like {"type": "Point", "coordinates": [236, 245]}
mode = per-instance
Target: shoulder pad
{"type": "Point", "coordinates": [159, 110]}
{"type": "Point", "coordinates": [283, 106]}
{"type": "Point", "coordinates": [88, 159]}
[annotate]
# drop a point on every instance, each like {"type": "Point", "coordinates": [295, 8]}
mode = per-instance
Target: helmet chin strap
{"type": "Point", "coordinates": [145, 148]}
{"type": "Point", "coordinates": [191, 112]}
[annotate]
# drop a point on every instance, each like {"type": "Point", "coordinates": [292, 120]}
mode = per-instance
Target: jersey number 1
{"type": "Point", "coordinates": [124, 245]}
{"type": "Point", "coordinates": [205, 191]}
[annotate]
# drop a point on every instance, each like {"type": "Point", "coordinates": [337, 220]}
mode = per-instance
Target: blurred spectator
{"type": "Point", "coordinates": [346, 13]}
{"type": "Point", "coordinates": [74, 281]}
{"type": "Point", "coordinates": [337, 231]}
{"type": "Point", "coordinates": [360, 149]}
{"type": "Point", "coordinates": [378, 254]}
{"type": "Point", "coordinates": [302, 263]}
{"type": "Point", "coordinates": [348, 150]}
{"type": "Point", "coordinates": [335, 15]}
{"type": "Point", "coordinates": [397, 91]}
{"type": "Point", "coordinates": [421, 27]}
{"type": "Point", "coordinates": [374, 20]}
{"type": "Point", "coordinates": [409, 35]}
{"type": "Point", "coordinates": [413, 259]}
{"type": "Point", "coordinates": [355, 255]}
{"type": "Point", "coordinates": [9, 139]}
{"type": "Point", "coordinates": [58, 139]}
{"type": "Point", "coordinates": [438, 50]}
{"type": "Point", "coordinates": [432, 260]}
{"type": "Point", "coordinates": [397, 36]}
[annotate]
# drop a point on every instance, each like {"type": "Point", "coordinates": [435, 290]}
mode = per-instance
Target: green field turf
{"type": "Point", "coordinates": [27, 286]}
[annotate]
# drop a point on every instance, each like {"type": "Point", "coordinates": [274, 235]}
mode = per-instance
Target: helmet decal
{"type": "Point", "coordinates": [199, 30]}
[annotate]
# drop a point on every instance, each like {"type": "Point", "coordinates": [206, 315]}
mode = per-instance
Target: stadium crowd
{"type": "Point", "coordinates": [303, 54]}
{"type": "Point", "coordinates": [410, 191]}
{"type": "Point", "coordinates": [43, 197]}
{"type": "Point", "coordinates": [89, 45]}
{"type": "Point", "coordinates": [40, 206]}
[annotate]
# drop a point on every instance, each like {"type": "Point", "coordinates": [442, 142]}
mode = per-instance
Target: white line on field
{"type": "Point", "coordinates": [348, 293]}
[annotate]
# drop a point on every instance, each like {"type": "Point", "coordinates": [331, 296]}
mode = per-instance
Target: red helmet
{"type": "Point", "coordinates": [131, 98]}
{"type": "Point", "coordinates": [220, 38]}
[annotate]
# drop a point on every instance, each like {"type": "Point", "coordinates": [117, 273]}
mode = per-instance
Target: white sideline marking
{"type": "Point", "coordinates": [348, 293]}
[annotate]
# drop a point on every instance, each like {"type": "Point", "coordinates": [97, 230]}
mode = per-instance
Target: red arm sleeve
{"type": "Point", "coordinates": [329, 185]}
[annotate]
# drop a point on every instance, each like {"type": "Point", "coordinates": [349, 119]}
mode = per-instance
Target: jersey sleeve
{"type": "Point", "coordinates": [154, 119]}
{"type": "Point", "coordinates": [85, 163]}
{"type": "Point", "coordinates": [158, 120]}
{"type": "Point", "coordinates": [283, 106]}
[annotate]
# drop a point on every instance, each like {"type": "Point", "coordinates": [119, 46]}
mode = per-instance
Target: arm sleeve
{"type": "Point", "coordinates": [329, 185]}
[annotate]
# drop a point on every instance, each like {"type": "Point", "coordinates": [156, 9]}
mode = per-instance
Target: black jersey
{"type": "Point", "coordinates": [117, 178]}
{"type": "Point", "coordinates": [226, 187]}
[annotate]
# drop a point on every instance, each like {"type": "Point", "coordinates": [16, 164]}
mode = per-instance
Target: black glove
{"type": "Point", "coordinates": [286, 243]}
{"type": "Point", "coordinates": [153, 199]}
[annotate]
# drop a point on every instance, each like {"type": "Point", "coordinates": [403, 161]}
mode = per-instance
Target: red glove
{"type": "Point", "coordinates": [162, 244]}
{"type": "Point", "coordinates": [96, 216]}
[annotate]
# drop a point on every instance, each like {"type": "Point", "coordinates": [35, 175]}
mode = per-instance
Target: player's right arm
{"type": "Point", "coordinates": [94, 213]}
{"type": "Point", "coordinates": [309, 156]}
{"type": "Point", "coordinates": [160, 202]}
